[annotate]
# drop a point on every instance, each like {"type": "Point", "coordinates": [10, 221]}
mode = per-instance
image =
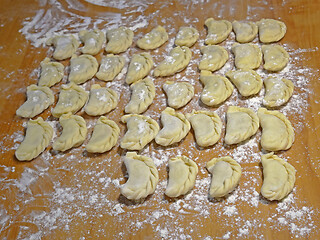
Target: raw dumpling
{"type": "Point", "coordinates": [143, 93]}
{"type": "Point", "coordinates": [216, 88]}
{"type": "Point", "coordinates": [178, 93]}
{"type": "Point", "coordinates": [104, 136]}
{"type": "Point", "coordinates": [182, 176]}
{"type": "Point", "coordinates": [248, 82]}
{"type": "Point", "coordinates": [71, 99]}
{"type": "Point", "coordinates": [153, 39]}
{"type": "Point", "coordinates": [143, 176]}
{"type": "Point", "coordinates": [206, 126]}
{"type": "Point", "coordinates": [51, 73]}
{"type": "Point", "coordinates": [101, 101]}
{"type": "Point", "coordinates": [82, 68]}
{"type": "Point", "coordinates": [38, 136]}
{"type": "Point", "coordinates": [271, 30]}
{"type": "Point", "coordinates": [277, 132]}
{"type": "Point", "coordinates": [73, 134]}
{"type": "Point", "coordinates": [187, 36]}
{"type": "Point", "coordinates": [175, 127]}
{"type": "Point", "coordinates": [246, 56]}
{"type": "Point", "coordinates": [245, 31]}
{"type": "Point", "coordinates": [92, 40]}
{"type": "Point", "coordinates": [139, 67]}
{"type": "Point", "coordinates": [141, 131]}
{"type": "Point", "coordinates": [278, 177]}
{"type": "Point", "coordinates": [111, 65]}
{"type": "Point", "coordinates": [218, 31]}
{"type": "Point", "coordinates": [119, 40]}
{"type": "Point", "coordinates": [214, 57]}
{"type": "Point", "coordinates": [278, 91]}
{"type": "Point", "coordinates": [226, 174]}
{"type": "Point", "coordinates": [177, 60]}
{"type": "Point", "coordinates": [38, 99]}
{"type": "Point", "coordinates": [275, 57]}
{"type": "Point", "coordinates": [65, 46]}
{"type": "Point", "coordinates": [242, 123]}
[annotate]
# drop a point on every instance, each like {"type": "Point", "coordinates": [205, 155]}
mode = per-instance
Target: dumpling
{"type": "Point", "coordinates": [82, 68]}
{"type": "Point", "coordinates": [71, 99]}
{"type": "Point", "coordinates": [214, 57]}
{"type": "Point", "coordinates": [246, 56]}
{"type": "Point", "coordinates": [139, 67]}
{"type": "Point", "coordinates": [38, 136]}
{"type": "Point", "coordinates": [248, 82]}
{"type": "Point", "coordinates": [216, 88]}
{"type": "Point", "coordinates": [206, 126]}
{"type": "Point", "coordinates": [143, 93]}
{"type": "Point", "coordinates": [277, 132]}
{"type": "Point", "coordinates": [111, 65]}
{"type": "Point", "coordinates": [242, 123]}
{"type": "Point", "coordinates": [278, 91]}
{"type": "Point", "coordinates": [141, 131]}
{"type": "Point", "coordinates": [245, 31]}
{"type": "Point", "coordinates": [187, 36]}
{"type": "Point", "coordinates": [65, 46]}
{"type": "Point", "coordinates": [101, 101]}
{"type": "Point", "coordinates": [143, 177]}
{"type": "Point", "coordinates": [38, 99]}
{"type": "Point", "coordinates": [51, 73]}
{"type": "Point", "coordinates": [278, 177]}
{"type": "Point", "coordinates": [73, 134]}
{"type": "Point", "coordinates": [218, 31]}
{"type": "Point", "coordinates": [119, 40]}
{"type": "Point", "coordinates": [178, 93]}
{"type": "Point", "coordinates": [104, 136]}
{"type": "Point", "coordinates": [177, 60]}
{"type": "Point", "coordinates": [92, 40]}
{"type": "Point", "coordinates": [275, 57]}
{"type": "Point", "coordinates": [226, 174]}
{"type": "Point", "coordinates": [154, 39]}
{"type": "Point", "coordinates": [182, 176]}
{"type": "Point", "coordinates": [271, 30]}
{"type": "Point", "coordinates": [175, 127]}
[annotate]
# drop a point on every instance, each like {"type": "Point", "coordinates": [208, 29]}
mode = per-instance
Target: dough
{"type": "Point", "coordinates": [206, 126]}
{"type": "Point", "coordinates": [271, 30]}
{"type": "Point", "coordinates": [143, 93]}
{"type": "Point", "coordinates": [278, 91]}
{"type": "Point", "coordinates": [175, 127]}
{"type": "Point", "coordinates": [187, 36]}
{"type": "Point", "coordinates": [154, 39]}
{"type": "Point", "coordinates": [139, 67]}
{"type": "Point", "coordinates": [65, 46]}
{"type": "Point", "coordinates": [275, 57]}
{"type": "Point", "coordinates": [101, 101]}
{"type": "Point", "coordinates": [119, 40]}
{"type": "Point", "coordinates": [216, 88]}
{"type": "Point", "coordinates": [111, 65]}
{"type": "Point", "coordinates": [51, 73]}
{"type": "Point", "coordinates": [182, 176]}
{"type": "Point", "coordinates": [218, 31]}
{"type": "Point", "coordinates": [38, 100]}
{"type": "Point", "coordinates": [71, 99]}
{"type": "Point", "coordinates": [38, 136]}
{"type": "Point", "coordinates": [278, 177]}
{"type": "Point", "coordinates": [73, 134]}
{"type": "Point", "coordinates": [277, 132]}
{"type": "Point", "coordinates": [248, 82]}
{"type": "Point", "coordinates": [245, 31]}
{"type": "Point", "coordinates": [82, 68]}
{"type": "Point", "coordinates": [226, 174]}
{"type": "Point", "coordinates": [104, 136]}
{"type": "Point", "coordinates": [178, 93]}
{"type": "Point", "coordinates": [92, 40]}
{"type": "Point", "coordinates": [214, 57]}
{"type": "Point", "coordinates": [141, 131]}
{"type": "Point", "coordinates": [246, 56]}
{"type": "Point", "coordinates": [177, 60]}
{"type": "Point", "coordinates": [143, 177]}
{"type": "Point", "coordinates": [242, 123]}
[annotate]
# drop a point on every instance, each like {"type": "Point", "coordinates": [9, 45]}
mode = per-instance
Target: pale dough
{"type": "Point", "coordinates": [271, 30]}
{"type": "Point", "coordinates": [92, 40]}
{"type": "Point", "coordinates": [187, 36]}
{"type": "Point", "coordinates": [246, 56]}
{"type": "Point", "coordinates": [51, 73]}
{"type": "Point", "coordinates": [139, 67]}
{"type": "Point", "coordinates": [65, 46]}
{"type": "Point", "coordinates": [218, 31]}
{"type": "Point", "coordinates": [119, 40]}
{"type": "Point", "coordinates": [154, 39]}
{"type": "Point", "coordinates": [245, 31]}
{"type": "Point", "coordinates": [275, 57]}
{"type": "Point", "coordinates": [82, 68]}
{"type": "Point", "coordinates": [178, 93]}
{"type": "Point", "coordinates": [214, 57]}
{"type": "Point", "coordinates": [111, 65]}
